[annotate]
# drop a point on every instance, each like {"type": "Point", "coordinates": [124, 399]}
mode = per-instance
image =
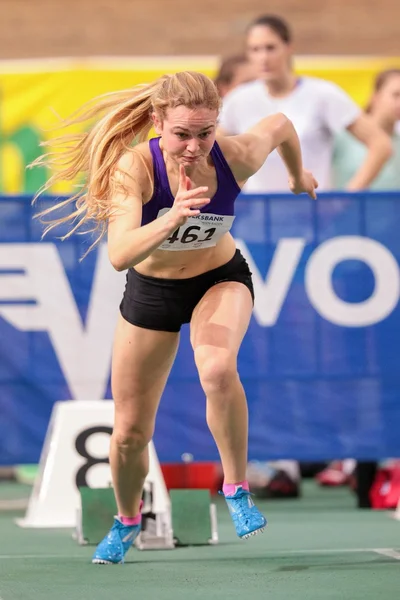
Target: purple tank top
{"type": "Point", "coordinates": [222, 203]}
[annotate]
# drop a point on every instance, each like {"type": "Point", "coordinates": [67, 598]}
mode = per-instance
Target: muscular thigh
{"type": "Point", "coordinates": [220, 320]}
{"type": "Point", "coordinates": [142, 360]}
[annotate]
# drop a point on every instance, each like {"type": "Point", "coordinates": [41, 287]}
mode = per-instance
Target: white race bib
{"type": "Point", "coordinates": [202, 231]}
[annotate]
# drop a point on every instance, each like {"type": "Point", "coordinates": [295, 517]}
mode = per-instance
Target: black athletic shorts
{"type": "Point", "coordinates": [165, 304]}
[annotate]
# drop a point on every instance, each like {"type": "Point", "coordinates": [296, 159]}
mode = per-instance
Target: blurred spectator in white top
{"type": "Point", "coordinates": [318, 109]}
{"type": "Point", "coordinates": [233, 71]}
{"type": "Point", "coordinates": [349, 153]}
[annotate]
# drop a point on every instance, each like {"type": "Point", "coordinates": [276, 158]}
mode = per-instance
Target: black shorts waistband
{"type": "Point", "coordinates": [166, 281]}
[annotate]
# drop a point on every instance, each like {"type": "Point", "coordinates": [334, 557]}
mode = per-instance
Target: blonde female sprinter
{"type": "Point", "coordinates": [167, 206]}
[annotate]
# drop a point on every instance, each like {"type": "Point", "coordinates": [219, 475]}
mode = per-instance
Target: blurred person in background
{"type": "Point", "coordinates": [319, 109]}
{"type": "Point", "coordinates": [232, 72]}
{"type": "Point", "coordinates": [349, 154]}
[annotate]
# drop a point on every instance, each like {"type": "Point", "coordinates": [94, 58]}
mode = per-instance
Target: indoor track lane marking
{"type": "Point", "coordinates": [390, 552]}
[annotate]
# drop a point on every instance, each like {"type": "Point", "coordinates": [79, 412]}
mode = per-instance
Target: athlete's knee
{"type": "Point", "coordinates": [131, 438]}
{"type": "Point", "coordinates": [218, 372]}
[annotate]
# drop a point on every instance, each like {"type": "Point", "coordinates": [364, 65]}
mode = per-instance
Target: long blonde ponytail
{"type": "Point", "coordinates": [123, 117]}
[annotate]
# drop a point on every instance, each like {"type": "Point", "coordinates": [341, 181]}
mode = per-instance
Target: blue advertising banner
{"type": "Point", "coordinates": [320, 362]}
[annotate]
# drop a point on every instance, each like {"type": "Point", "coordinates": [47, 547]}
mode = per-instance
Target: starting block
{"type": "Point", "coordinates": [194, 520]}
{"type": "Point", "coordinates": [97, 511]}
{"type": "Point", "coordinates": [96, 516]}
{"type": "Point", "coordinates": [194, 517]}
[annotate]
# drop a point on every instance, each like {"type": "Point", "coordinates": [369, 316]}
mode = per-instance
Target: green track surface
{"type": "Point", "coordinates": [319, 547]}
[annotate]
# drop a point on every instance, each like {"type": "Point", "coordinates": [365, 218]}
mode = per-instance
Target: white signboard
{"type": "Point", "coordinates": [75, 453]}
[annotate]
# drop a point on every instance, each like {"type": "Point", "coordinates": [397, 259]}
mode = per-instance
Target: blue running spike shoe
{"type": "Point", "coordinates": [112, 549]}
{"type": "Point", "coordinates": [246, 517]}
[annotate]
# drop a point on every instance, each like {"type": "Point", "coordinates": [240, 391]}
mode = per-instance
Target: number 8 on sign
{"type": "Point", "coordinates": [85, 444]}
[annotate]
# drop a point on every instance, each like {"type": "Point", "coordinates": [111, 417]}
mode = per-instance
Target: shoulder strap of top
{"type": "Point", "coordinates": [160, 172]}
{"type": "Point", "coordinates": [222, 165]}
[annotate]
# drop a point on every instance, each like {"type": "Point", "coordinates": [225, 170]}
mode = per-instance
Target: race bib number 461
{"type": "Point", "coordinates": [202, 231]}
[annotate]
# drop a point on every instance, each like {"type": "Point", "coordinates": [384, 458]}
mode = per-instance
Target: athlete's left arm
{"type": "Point", "coordinates": [246, 153]}
{"type": "Point", "coordinates": [379, 148]}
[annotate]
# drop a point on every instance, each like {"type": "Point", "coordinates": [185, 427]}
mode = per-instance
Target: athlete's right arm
{"type": "Point", "coordinates": [128, 242]}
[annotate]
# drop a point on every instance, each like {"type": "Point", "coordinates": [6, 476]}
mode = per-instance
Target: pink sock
{"type": "Point", "coordinates": [230, 489]}
{"type": "Point", "coordinates": [132, 520]}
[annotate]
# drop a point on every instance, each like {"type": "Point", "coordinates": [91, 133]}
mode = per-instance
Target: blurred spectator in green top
{"type": "Point", "coordinates": [349, 153]}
